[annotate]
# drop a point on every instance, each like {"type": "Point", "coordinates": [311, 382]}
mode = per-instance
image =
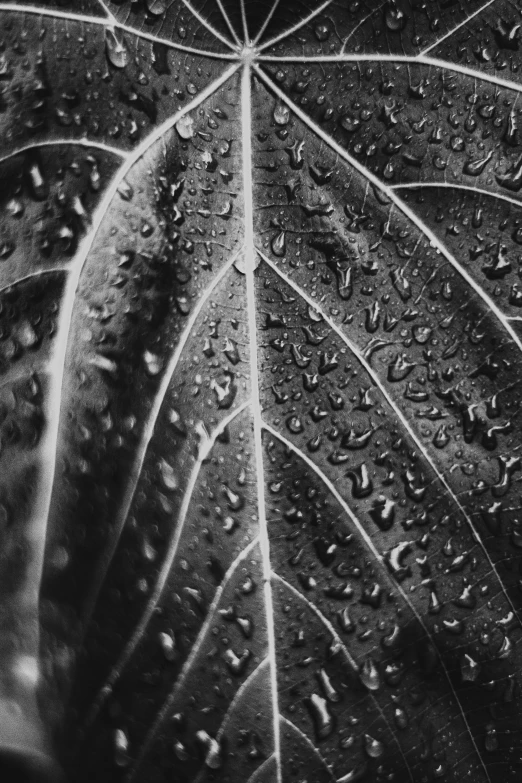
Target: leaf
{"type": "Point", "coordinates": [261, 354]}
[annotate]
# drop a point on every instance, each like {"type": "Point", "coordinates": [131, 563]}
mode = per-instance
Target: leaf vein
{"type": "Point", "coordinates": [396, 58]}
{"type": "Point", "coordinates": [457, 27]}
{"type": "Point", "coordinates": [166, 567]}
{"type": "Point", "coordinates": [440, 247]}
{"type": "Point", "coordinates": [100, 21]}
{"type": "Point", "coordinates": [297, 26]}
{"type": "Point", "coordinates": [378, 557]}
{"type": "Point", "coordinates": [250, 265]}
{"type": "Point", "coordinates": [193, 654]}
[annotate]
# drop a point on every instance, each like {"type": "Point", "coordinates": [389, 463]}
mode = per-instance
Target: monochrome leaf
{"type": "Point", "coordinates": [261, 349]}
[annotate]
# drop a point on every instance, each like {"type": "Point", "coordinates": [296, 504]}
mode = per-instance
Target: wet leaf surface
{"type": "Point", "coordinates": [261, 356]}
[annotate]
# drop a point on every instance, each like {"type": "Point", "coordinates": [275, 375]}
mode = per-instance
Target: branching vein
{"type": "Point", "coordinates": [437, 244]}
{"type": "Point", "coordinates": [457, 27]}
{"type": "Point", "coordinates": [208, 26]}
{"type": "Point", "coordinates": [37, 526]}
{"type": "Point", "coordinates": [96, 145]}
{"type": "Point", "coordinates": [380, 561]}
{"type": "Point", "coordinates": [101, 21]}
{"type": "Point", "coordinates": [148, 432]}
{"type": "Point", "coordinates": [167, 564]}
{"type": "Point", "coordinates": [307, 741]}
{"type": "Point", "coordinates": [395, 58]}
{"type": "Point", "coordinates": [250, 266]}
{"type": "Point", "coordinates": [458, 186]}
{"type": "Point", "coordinates": [297, 26]}
{"type": "Point", "coordinates": [351, 662]}
{"type": "Point", "coordinates": [400, 415]}
{"type": "Point", "coordinates": [187, 666]}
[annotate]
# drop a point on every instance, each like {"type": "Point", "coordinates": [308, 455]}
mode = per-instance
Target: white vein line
{"type": "Point", "coordinates": [148, 432]}
{"type": "Point", "coordinates": [456, 186]}
{"type": "Point", "coordinates": [308, 741]}
{"type": "Point", "coordinates": [250, 265]}
{"type": "Point", "coordinates": [360, 24]}
{"type": "Point", "coordinates": [239, 693]}
{"type": "Point", "coordinates": [178, 47]}
{"type": "Point", "coordinates": [210, 618]}
{"type": "Point", "coordinates": [296, 26]}
{"type": "Point", "coordinates": [313, 608]}
{"type": "Point", "coordinates": [395, 58]}
{"type": "Point", "coordinates": [208, 26]}
{"type": "Point", "coordinates": [161, 580]}
{"type": "Point", "coordinates": [266, 22]}
{"type": "Point", "coordinates": [324, 620]}
{"type": "Point", "coordinates": [228, 22]}
{"type": "Point", "coordinates": [377, 555]}
{"type": "Point", "coordinates": [437, 244]}
{"type": "Point", "coordinates": [52, 13]}
{"type": "Point", "coordinates": [37, 526]}
{"type": "Point", "coordinates": [397, 411]}
{"type": "Point", "coordinates": [244, 21]}
{"type": "Point", "coordinates": [454, 30]}
{"type": "Point", "coordinates": [261, 769]}
{"type": "Point", "coordinates": [110, 15]}
{"type": "Point", "coordinates": [32, 275]}
{"type": "Point", "coordinates": [65, 142]}
{"type": "Point", "coordinates": [326, 481]}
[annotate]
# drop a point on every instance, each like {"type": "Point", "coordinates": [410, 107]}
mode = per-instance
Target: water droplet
{"type": "Point", "coordinates": [362, 483]}
{"type": "Point", "coordinates": [294, 424]}
{"type": "Point", "coordinates": [153, 363]}
{"type": "Point", "coordinates": [168, 477]}
{"type": "Point", "coordinates": [383, 512]}
{"type": "Point", "coordinates": [350, 123]}
{"type": "Point", "coordinates": [213, 759]}
{"type": "Point", "coordinates": [373, 747]}
{"type": "Point", "coordinates": [490, 738]}
{"type": "Point", "coordinates": [116, 52]}
{"type": "Point", "coordinates": [168, 646]}
{"type": "Point", "coordinates": [475, 167]}
{"type": "Point", "coordinates": [121, 747]}
{"type": "Point", "coordinates": [236, 663]}
{"type": "Point", "coordinates": [235, 501]}
{"type": "Point", "coordinates": [469, 668]}
{"type": "Point", "coordinates": [323, 721]}
{"type": "Point", "coordinates": [369, 675]}
{"type": "Point", "coordinates": [329, 691]}
{"type": "Point", "coordinates": [322, 32]}
{"type": "Point", "coordinates": [401, 718]}
{"type": "Point", "coordinates": [225, 392]}
{"type": "Point", "coordinates": [441, 437]}
{"type": "Point", "coordinates": [281, 114]}
{"type": "Point", "coordinates": [231, 351]}
{"type": "Point", "coordinates": [156, 7]}
{"type": "Point", "coordinates": [185, 127]}
{"type": "Point", "coordinates": [278, 244]}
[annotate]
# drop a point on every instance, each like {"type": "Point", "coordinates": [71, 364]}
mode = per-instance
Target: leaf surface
{"type": "Point", "coordinates": [261, 356]}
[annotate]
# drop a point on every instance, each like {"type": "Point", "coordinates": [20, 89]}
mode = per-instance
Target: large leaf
{"type": "Point", "coordinates": [261, 352]}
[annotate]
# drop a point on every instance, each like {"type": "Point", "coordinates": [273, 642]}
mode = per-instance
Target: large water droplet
{"type": "Point", "coordinates": [185, 127]}
{"type": "Point", "coordinates": [116, 52]}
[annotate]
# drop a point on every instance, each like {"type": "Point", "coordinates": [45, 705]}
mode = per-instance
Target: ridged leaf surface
{"type": "Point", "coordinates": [261, 357]}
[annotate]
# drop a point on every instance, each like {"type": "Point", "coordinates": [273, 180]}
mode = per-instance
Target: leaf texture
{"type": "Point", "coordinates": [261, 357]}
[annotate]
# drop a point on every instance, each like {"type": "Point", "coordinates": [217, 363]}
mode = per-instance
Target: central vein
{"type": "Point", "coordinates": [250, 265]}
